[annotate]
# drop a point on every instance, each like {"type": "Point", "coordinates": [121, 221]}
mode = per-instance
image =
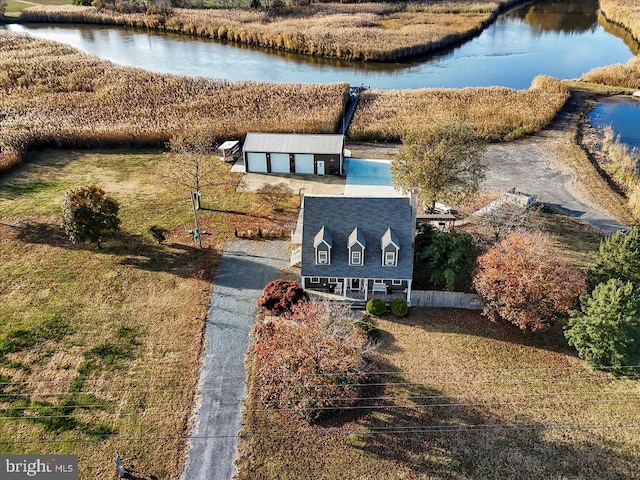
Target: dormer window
{"type": "Point", "coordinates": [390, 259]}
{"type": "Point", "coordinates": [322, 244]}
{"type": "Point", "coordinates": [356, 246]}
{"type": "Point", "coordinates": [390, 245]}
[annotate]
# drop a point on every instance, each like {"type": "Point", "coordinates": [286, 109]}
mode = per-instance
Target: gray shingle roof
{"type": "Point", "coordinates": [373, 217]}
{"type": "Point", "coordinates": [294, 143]}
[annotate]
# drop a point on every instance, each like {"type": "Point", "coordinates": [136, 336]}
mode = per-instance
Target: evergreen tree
{"type": "Point", "coordinates": [89, 214]}
{"type": "Point", "coordinates": [606, 329]}
{"type": "Point", "coordinates": [617, 257]}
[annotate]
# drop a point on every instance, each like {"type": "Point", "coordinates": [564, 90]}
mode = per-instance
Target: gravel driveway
{"type": "Point", "coordinates": [244, 269]}
{"type": "Point", "coordinates": [531, 165]}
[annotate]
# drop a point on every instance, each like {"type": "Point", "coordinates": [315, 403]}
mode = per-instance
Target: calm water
{"type": "Point", "coordinates": [558, 38]}
{"type": "Point", "coordinates": [622, 114]}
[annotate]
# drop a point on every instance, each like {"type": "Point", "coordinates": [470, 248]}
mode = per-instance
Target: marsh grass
{"type": "Point", "coordinates": [57, 96]}
{"type": "Point", "coordinates": [494, 113]}
{"type": "Point", "coordinates": [100, 346]}
{"type": "Point", "coordinates": [625, 13]}
{"type": "Point", "coordinates": [448, 369]}
{"type": "Point", "coordinates": [367, 31]}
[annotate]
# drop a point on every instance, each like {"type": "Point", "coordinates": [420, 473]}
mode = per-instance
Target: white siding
{"type": "Point", "coordinates": [257, 162]}
{"type": "Point", "coordinates": [280, 163]}
{"type": "Point", "coordinates": [304, 163]}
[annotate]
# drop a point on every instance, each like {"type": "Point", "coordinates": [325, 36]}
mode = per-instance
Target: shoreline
{"type": "Point", "coordinates": [159, 23]}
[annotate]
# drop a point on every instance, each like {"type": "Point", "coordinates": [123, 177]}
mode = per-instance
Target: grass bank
{"type": "Point", "coordinates": [623, 12]}
{"type": "Point", "coordinates": [99, 349]}
{"type": "Point", "coordinates": [53, 95]}
{"type": "Point", "coordinates": [461, 398]}
{"type": "Point", "coordinates": [495, 113]}
{"type": "Point", "coordinates": [626, 14]}
{"type": "Point", "coordinates": [365, 32]}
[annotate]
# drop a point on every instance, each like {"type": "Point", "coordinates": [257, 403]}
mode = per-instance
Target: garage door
{"type": "Point", "coordinates": [304, 163]}
{"type": "Point", "coordinates": [257, 162]}
{"type": "Point", "coordinates": [280, 163]}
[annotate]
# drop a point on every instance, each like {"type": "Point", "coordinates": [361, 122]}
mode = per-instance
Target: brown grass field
{"type": "Point", "coordinates": [494, 113]}
{"type": "Point", "coordinates": [100, 349]}
{"type": "Point", "coordinates": [366, 31]}
{"type": "Point", "coordinates": [462, 398]}
{"type": "Point", "coordinates": [53, 95]}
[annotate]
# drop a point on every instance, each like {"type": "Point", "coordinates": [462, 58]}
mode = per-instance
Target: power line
{"type": "Point", "coordinates": [373, 373]}
{"type": "Point", "coordinates": [384, 397]}
{"type": "Point", "coordinates": [413, 406]}
{"type": "Point", "coordinates": [413, 429]}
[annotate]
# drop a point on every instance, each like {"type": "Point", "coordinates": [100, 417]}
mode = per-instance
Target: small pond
{"type": "Point", "coordinates": [622, 114]}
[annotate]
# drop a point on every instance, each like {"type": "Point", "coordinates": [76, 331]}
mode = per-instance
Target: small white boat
{"type": "Point", "coordinates": [636, 94]}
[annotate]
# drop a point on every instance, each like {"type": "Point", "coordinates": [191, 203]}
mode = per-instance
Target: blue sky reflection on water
{"type": "Point", "coordinates": [531, 40]}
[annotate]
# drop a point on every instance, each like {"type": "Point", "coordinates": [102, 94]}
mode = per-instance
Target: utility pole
{"type": "Point", "coordinates": [196, 233]}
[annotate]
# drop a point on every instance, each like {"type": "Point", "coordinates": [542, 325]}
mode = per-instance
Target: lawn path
{"type": "Point", "coordinates": [244, 269]}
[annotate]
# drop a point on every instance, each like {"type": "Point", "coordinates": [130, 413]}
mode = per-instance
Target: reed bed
{"type": "Point", "coordinates": [53, 95]}
{"type": "Point", "coordinates": [621, 163]}
{"type": "Point", "coordinates": [363, 32]}
{"type": "Point", "coordinates": [623, 12]}
{"type": "Point", "coordinates": [495, 113]}
{"type": "Point", "coordinates": [619, 75]}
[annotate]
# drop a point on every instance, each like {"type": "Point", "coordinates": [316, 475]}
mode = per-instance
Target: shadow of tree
{"type": "Point", "coordinates": [472, 322]}
{"type": "Point", "coordinates": [136, 250]}
{"type": "Point", "coordinates": [437, 436]}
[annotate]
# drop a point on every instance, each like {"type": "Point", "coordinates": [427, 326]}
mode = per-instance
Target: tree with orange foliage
{"type": "Point", "coordinates": [313, 360]}
{"type": "Point", "coordinates": [522, 280]}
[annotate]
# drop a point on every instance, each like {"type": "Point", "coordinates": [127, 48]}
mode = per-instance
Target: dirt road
{"type": "Point", "coordinates": [534, 164]}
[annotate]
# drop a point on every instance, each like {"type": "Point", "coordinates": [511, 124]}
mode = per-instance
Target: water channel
{"type": "Point", "coordinates": [561, 38]}
{"type": "Point", "coordinates": [622, 114]}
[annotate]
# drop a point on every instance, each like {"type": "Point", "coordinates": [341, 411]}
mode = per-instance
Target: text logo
{"type": "Point", "coordinates": [45, 467]}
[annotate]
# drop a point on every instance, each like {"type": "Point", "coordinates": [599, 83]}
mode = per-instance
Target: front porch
{"type": "Point", "coordinates": [359, 290]}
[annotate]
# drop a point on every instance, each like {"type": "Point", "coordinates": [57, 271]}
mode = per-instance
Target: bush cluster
{"type": "Point", "coordinates": [312, 361]}
{"type": "Point", "coordinates": [280, 296]}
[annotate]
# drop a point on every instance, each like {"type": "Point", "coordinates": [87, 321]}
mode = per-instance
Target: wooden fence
{"type": "Point", "coordinates": [433, 298]}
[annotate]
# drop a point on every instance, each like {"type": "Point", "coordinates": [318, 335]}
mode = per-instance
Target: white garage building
{"type": "Point", "coordinates": [295, 153]}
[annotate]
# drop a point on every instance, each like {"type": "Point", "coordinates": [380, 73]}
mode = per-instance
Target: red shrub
{"type": "Point", "coordinates": [280, 295]}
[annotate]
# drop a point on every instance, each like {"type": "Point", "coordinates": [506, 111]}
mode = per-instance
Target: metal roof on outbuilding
{"type": "Point", "coordinates": [294, 143]}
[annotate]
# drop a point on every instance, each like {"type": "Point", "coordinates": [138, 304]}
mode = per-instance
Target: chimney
{"type": "Point", "coordinates": [413, 201]}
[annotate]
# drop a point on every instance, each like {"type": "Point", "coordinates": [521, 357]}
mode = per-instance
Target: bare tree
{"type": "Point", "coordinates": [508, 218]}
{"type": "Point", "coordinates": [190, 162]}
{"type": "Point", "coordinates": [275, 194]}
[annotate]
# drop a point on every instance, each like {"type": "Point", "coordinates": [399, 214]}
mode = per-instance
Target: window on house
{"type": "Point", "coordinates": [323, 257]}
{"type": "Point", "coordinates": [379, 282]}
{"type": "Point", "coordinates": [315, 280]}
{"type": "Point", "coordinates": [333, 280]}
{"type": "Point", "coordinates": [396, 282]}
{"type": "Point", "coordinates": [390, 258]}
{"type": "Point", "coordinates": [355, 258]}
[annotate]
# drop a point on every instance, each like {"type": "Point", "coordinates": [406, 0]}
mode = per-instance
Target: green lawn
{"type": "Point", "coordinates": [15, 7]}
